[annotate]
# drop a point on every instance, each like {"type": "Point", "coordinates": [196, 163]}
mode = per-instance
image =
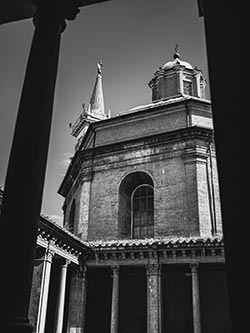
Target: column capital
{"type": "Point", "coordinates": [82, 269]}
{"type": "Point", "coordinates": [49, 254]}
{"type": "Point", "coordinates": [194, 267]}
{"type": "Point", "coordinates": [115, 267]}
{"type": "Point", "coordinates": [115, 270]}
{"type": "Point", "coordinates": [153, 269]}
{"type": "Point", "coordinates": [195, 155]}
{"type": "Point", "coordinates": [65, 263]}
{"type": "Point", "coordinates": [54, 11]}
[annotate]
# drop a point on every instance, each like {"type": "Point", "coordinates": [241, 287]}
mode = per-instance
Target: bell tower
{"type": "Point", "coordinates": [92, 112]}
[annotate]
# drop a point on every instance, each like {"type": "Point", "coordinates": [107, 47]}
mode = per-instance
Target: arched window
{"type": "Point", "coordinates": [136, 206]}
{"type": "Point", "coordinates": [142, 209]}
{"type": "Point", "coordinates": [72, 216]}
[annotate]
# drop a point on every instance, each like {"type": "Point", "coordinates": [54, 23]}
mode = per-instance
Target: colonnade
{"type": "Point", "coordinates": [44, 293]}
{"type": "Point", "coordinates": [154, 299]}
{"type": "Point", "coordinates": [154, 294]}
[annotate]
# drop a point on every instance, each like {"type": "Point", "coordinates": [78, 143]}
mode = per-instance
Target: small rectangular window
{"type": "Point", "coordinates": [187, 87]}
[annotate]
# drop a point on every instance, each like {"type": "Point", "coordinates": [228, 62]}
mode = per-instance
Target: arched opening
{"type": "Point", "coordinates": [142, 211]}
{"type": "Point", "coordinates": [136, 206]}
{"type": "Point", "coordinates": [72, 216]}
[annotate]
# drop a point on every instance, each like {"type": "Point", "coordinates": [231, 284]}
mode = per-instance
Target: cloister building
{"type": "Point", "coordinates": [141, 247]}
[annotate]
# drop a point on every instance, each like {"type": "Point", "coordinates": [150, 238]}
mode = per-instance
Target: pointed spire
{"type": "Point", "coordinates": [97, 100]}
{"type": "Point", "coordinates": [92, 112]}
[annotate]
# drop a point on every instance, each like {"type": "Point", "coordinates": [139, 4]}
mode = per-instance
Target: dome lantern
{"type": "Point", "coordinates": [176, 78]}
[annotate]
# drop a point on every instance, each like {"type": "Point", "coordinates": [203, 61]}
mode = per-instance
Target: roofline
{"type": "Point", "coordinates": [140, 112]}
{"type": "Point", "coordinates": [170, 242]}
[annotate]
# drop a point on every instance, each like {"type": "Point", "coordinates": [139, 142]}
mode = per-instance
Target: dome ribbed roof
{"type": "Point", "coordinates": [176, 62]}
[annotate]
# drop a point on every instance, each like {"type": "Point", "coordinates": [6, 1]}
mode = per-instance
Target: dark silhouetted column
{"type": "Point", "coordinates": [27, 163]}
{"type": "Point", "coordinates": [223, 31]}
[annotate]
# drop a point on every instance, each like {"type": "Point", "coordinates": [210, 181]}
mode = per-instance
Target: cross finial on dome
{"type": "Point", "coordinates": [99, 67]}
{"type": "Point", "coordinates": [176, 53]}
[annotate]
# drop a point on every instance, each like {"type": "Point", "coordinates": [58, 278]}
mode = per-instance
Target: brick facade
{"type": "Point", "coordinates": [186, 193]}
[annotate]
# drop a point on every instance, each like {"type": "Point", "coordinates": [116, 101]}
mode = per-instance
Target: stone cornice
{"type": "Point", "coordinates": [152, 109]}
{"type": "Point", "coordinates": [60, 240]}
{"type": "Point", "coordinates": [178, 135]}
{"type": "Point", "coordinates": [186, 141]}
{"type": "Point", "coordinates": [163, 251]}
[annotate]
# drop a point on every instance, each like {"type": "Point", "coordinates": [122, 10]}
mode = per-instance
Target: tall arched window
{"type": "Point", "coordinates": [136, 206]}
{"type": "Point", "coordinates": [142, 209]}
{"type": "Point", "coordinates": [72, 216]}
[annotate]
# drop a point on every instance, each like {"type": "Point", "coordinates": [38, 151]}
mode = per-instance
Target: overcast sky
{"type": "Point", "coordinates": [131, 37]}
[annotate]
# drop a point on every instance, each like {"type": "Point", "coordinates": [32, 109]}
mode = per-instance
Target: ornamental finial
{"type": "Point", "coordinates": [176, 53]}
{"type": "Point", "coordinates": [99, 67]}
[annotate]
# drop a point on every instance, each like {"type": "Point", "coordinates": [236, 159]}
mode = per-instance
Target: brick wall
{"type": "Point", "coordinates": [159, 143]}
{"type": "Point", "coordinates": [181, 198]}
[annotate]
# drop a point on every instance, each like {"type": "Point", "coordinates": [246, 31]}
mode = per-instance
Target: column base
{"type": "Point", "coordinates": [76, 330]}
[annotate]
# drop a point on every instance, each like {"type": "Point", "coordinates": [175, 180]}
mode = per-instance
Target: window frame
{"type": "Point", "coordinates": [132, 208]}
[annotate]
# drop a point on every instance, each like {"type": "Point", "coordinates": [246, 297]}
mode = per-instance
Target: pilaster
{"type": "Point", "coordinates": [84, 207]}
{"type": "Point", "coordinates": [197, 198]}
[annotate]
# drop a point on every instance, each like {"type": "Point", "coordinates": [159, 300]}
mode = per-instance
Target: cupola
{"type": "Point", "coordinates": [177, 78]}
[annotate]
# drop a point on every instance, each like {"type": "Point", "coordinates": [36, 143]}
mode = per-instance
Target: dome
{"type": "Point", "coordinates": [176, 62]}
{"type": "Point", "coordinates": [171, 64]}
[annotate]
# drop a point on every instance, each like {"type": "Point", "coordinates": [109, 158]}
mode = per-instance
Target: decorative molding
{"type": "Point", "coordinates": [60, 251]}
{"type": "Point", "coordinates": [195, 154]}
{"type": "Point", "coordinates": [172, 253]}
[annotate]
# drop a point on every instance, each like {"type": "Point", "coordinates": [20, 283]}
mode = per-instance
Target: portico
{"type": "Point", "coordinates": [134, 268]}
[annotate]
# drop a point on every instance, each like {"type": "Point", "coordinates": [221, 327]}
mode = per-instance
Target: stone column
{"type": "Point", "coordinates": [195, 299]}
{"type": "Point", "coordinates": [115, 300]}
{"type": "Point", "coordinates": [77, 300]}
{"type": "Point", "coordinates": [43, 300]}
{"type": "Point", "coordinates": [61, 298]}
{"type": "Point", "coordinates": [153, 298]}
{"type": "Point", "coordinates": [28, 158]}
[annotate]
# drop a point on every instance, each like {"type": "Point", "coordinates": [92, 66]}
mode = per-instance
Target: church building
{"type": "Point", "coordinates": [142, 191]}
{"type": "Point", "coordinates": [141, 246]}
